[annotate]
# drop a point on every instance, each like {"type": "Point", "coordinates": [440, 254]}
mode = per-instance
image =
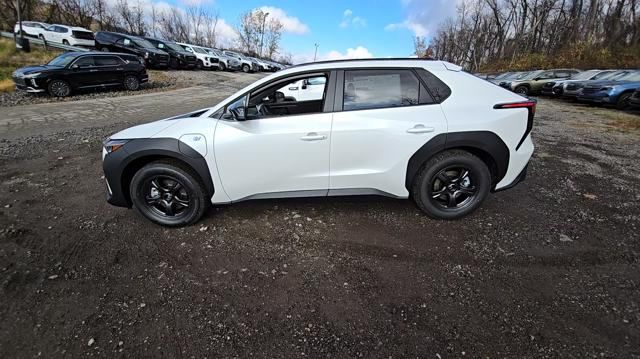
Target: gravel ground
{"type": "Point", "coordinates": [158, 81]}
{"type": "Point", "coordinates": [547, 269]}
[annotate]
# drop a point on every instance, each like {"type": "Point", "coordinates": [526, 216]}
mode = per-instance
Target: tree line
{"type": "Point", "coordinates": [255, 34]}
{"type": "Point", "coordinates": [490, 35]}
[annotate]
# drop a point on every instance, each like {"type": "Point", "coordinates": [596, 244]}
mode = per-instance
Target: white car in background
{"type": "Point", "coordinates": [205, 59]}
{"type": "Point", "coordinates": [31, 28]}
{"type": "Point", "coordinates": [246, 64]}
{"type": "Point", "coordinates": [69, 35]}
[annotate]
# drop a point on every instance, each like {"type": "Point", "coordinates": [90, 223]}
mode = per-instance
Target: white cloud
{"type": "Point", "coordinates": [226, 34]}
{"type": "Point", "coordinates": [290, 24]}
{"type": "Point", "coordinates": [349, 20]}
{"type": "Point", "coordinates": [416, 28]}
{"type": "Point", "coordinates": [359, 52]}
{"type": "Point", "coordinates": [424, 16]}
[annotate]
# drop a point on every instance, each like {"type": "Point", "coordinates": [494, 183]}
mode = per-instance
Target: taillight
{"type": "Point", "coordinates": [530, 106]}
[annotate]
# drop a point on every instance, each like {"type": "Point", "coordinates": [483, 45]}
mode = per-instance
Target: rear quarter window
{"type": "Point", "coordinates": [438, 89]}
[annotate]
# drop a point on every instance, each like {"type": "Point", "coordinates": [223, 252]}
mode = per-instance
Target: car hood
{"type": "Point", "coordinates": [156, 51]}
{"type": "Point", "coordinates": [149, 130]}
{"type": "Point", "coordinates": [604, 83]}
{"type": "Point", "coordinates": [33, 69]}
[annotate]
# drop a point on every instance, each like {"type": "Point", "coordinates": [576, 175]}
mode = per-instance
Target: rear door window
{"type": "Point", "coordinates": [85, 61]}
{"type": "Point", "coordinates": [107, 61]}
{"type": "Point", "coordinates": [371, 89]}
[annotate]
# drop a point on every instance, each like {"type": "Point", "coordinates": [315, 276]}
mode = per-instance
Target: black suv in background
{"type": "Point", "coordinates": [113, 41]}
{"type": "Point", "coordinates": [73, 71]}
{"type": "Point", "coordinates": [178, 57]}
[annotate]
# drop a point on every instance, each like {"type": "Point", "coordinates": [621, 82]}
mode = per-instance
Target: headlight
{"type": "Point", "coordinates": [146, 55]}
{"type": "Point", "coordinates": [114, 145]}
{"type": "Point", "coordinates": [32, 75]}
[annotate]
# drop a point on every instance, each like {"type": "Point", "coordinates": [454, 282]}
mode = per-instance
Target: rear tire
{"type": "Point", "coordinates": [451, 185]}
{"type": "Point", "coordinates": [168, 193]}
{"type": "Point", "coordinates": [131, 83]}
{"type": "Point", "coordinates": [246, 68]}
{"type": "Point", "coordinates": [65, 42]}
{"type": "Point", "coordinates": [222, 66]}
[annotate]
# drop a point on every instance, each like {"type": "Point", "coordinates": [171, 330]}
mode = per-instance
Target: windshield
{"type": "Point", "coordinates": [143, 43]}
{"type": "Point", "coordinates": [173, 46]}
{"type": "Point", "coordinates": [213, 52]}
{"type": "Point", "coordinates": [531, 75]}
{"type": "Point", "coordinates": [62, 60]}
{"type": "Point", "coordinates": [632, 76]}
{"type": "Point", "coordinates": [503, 76]}
{"type": "Point", "coordinates": [604, 75]}
{"type": "Point", "coordinates": [586, 75]}
{"type": "Point", "coordinates": [199, 50]}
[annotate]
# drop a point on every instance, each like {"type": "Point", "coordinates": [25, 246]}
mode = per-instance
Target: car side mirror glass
{"type": "Point", "coordinates": [238, 114]}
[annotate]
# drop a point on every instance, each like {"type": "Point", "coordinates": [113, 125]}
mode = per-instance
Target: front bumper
{"type": "Point", "coordinates": [32, 85]}
{"type": "Point", "coordinates": [598, 97]}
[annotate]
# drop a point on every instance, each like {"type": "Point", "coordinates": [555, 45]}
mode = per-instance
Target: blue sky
{"type": "Point", "coordinates": [351, 28]}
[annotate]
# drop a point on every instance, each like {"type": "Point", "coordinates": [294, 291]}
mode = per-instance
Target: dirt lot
{"type": "Point", "coordinates": [547, 269]}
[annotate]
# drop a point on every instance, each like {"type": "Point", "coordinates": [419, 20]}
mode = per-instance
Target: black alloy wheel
{"type": "Point", "coordinates": [199, 65]}
{"type": "Point", "coordinates": [623, 101]}
{"type": "Point", "coordinates": [166, 196]}
{"type": "Point", "coordinates": [222, 66]}
{"type": "Point", "coordinates": [451, 188]}
{"type": "Point", "coordinates": [131, 83]}
{"type": "Point", "coordinates": [173, 63]}
{"type": "Point", "coordinates": [451, 185]}
{"type": "Point", "coordinates": [168, 193]}
{"type": "Point", "coordinates": [59, 88]}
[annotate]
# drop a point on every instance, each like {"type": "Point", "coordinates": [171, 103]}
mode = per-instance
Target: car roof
{"type": "Point", "coordinates": [376, 62]}
{"type": "Point", "coordinates": [81, 53]}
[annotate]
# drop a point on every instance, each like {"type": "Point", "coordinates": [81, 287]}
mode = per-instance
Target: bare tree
{"type": "Point", "coordinates": [255, 29]}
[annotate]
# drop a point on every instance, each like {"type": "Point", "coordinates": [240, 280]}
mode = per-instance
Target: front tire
{"type": "Point", "coordinates": [199, 65]}
{"type": "Point", "coordinates": [623, 101]}
{"type": "Point", "coordinates": [222, 66]}
{"type": "Point", "coordinates": [173, 63]}
{"type": "Point", "coordinates": [65, 42]}
{"type": "Point", "coordinates": [168, 193]}
{"type": "Point", "coordinates": [522, 90]}
{"type": "Point", "coordinates": [59, 88]}
{"type": "Point", "coordinates": [246, 68]}
{"type": "Point", "coordinates": [451, 185]}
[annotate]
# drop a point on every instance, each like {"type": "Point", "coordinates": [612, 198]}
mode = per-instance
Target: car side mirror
{"type": "Point", "coordinates": [238, 114]}
{"type": "Point", "coordinates": [304, 84]}
{"type": "Point", "coordinates": [537, 79]}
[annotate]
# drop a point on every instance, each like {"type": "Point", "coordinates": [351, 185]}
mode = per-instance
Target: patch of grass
{"type": "Point", "coordinates": [625, 121]}
{"type": "Point", "coordinates": [6, 86]}
{"type": "Point", "coordinates": [12, 59]}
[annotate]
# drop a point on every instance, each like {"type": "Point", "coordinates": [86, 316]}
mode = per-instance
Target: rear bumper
{"type": "Point", "coordinates": [519, 178]}
{"type": "Point", "coordinates": [518, 162]}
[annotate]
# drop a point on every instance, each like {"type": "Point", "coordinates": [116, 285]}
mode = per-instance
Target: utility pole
{"type": "Point", "coordinates": [264, 20]}
{"type": "Point", "coordinates": [20, 27]}
{"type": "Point", "coordinates": [315, 53]}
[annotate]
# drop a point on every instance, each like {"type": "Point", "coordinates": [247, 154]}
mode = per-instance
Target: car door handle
{"type": "Point", "coordinates": [93, 70]}
{"type": "Point", "coordinates": [293, 88]}
{"type": "Point", "coordinates": [312, 136]}
{"type": "Point", "coordinates": [420, 129]}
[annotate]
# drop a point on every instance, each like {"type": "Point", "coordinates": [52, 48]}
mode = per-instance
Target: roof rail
{"type": "Point", "coordinates": [369, 59]}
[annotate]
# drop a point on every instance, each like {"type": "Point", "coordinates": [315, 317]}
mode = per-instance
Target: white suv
{"type": "Point", "coordinates": [69, 35]}
{"type": "Point", "coordinates": [394, 127]}
{"type": "Point", "coordinates": [205, 59]}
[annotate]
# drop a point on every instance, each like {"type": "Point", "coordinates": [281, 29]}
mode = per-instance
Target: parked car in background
{"type": "Point", "coordinates": [616, 92]}
{"type": "Point", "coordinates": [634, 100]}
{"type": "Point", "coordinates": [31, 28]}
{"type": "Point", "coordinates": [262, 64]}
{"type": "Point", "coordinates": [533, 82]}
{"type": "Point", "coordinates": [179, 58]}
{"type": "Point", "coordinates": [69, 35]}
{"type": "Point", "coordinates": [73, 71]}
{"type": "Point", "coordinates": [556, 88]}
{"type": "Point", "coordinates": [246, 64]}
{"type": "Point", "coordinates": [509, 76]}
{"type": "Point", "coordinates": [113, 41]}
{"type": "Point", "coordinates": [573, 89]}
{"type": "Point", "coordinates": [225, 63]}
{"type": "Point", "coordinates": [399, 128]}
{"type": "Point", "coordinates": [205, 60]}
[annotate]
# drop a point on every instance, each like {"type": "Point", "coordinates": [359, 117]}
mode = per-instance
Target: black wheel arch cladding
{"type": "Point", "coordinates": [120, 166]}
{"type": "Point", "coordinates": [487, 145]}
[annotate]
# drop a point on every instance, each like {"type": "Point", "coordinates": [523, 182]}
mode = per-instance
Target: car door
{"type": "Point", "coordinates": [383, 116]}
{"type": "Point", "coordinates": [83, 72]}
{"type": "Point", "coordinates": [110, 70]}
{"type": "Point", "coordinates": [273, 155]}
